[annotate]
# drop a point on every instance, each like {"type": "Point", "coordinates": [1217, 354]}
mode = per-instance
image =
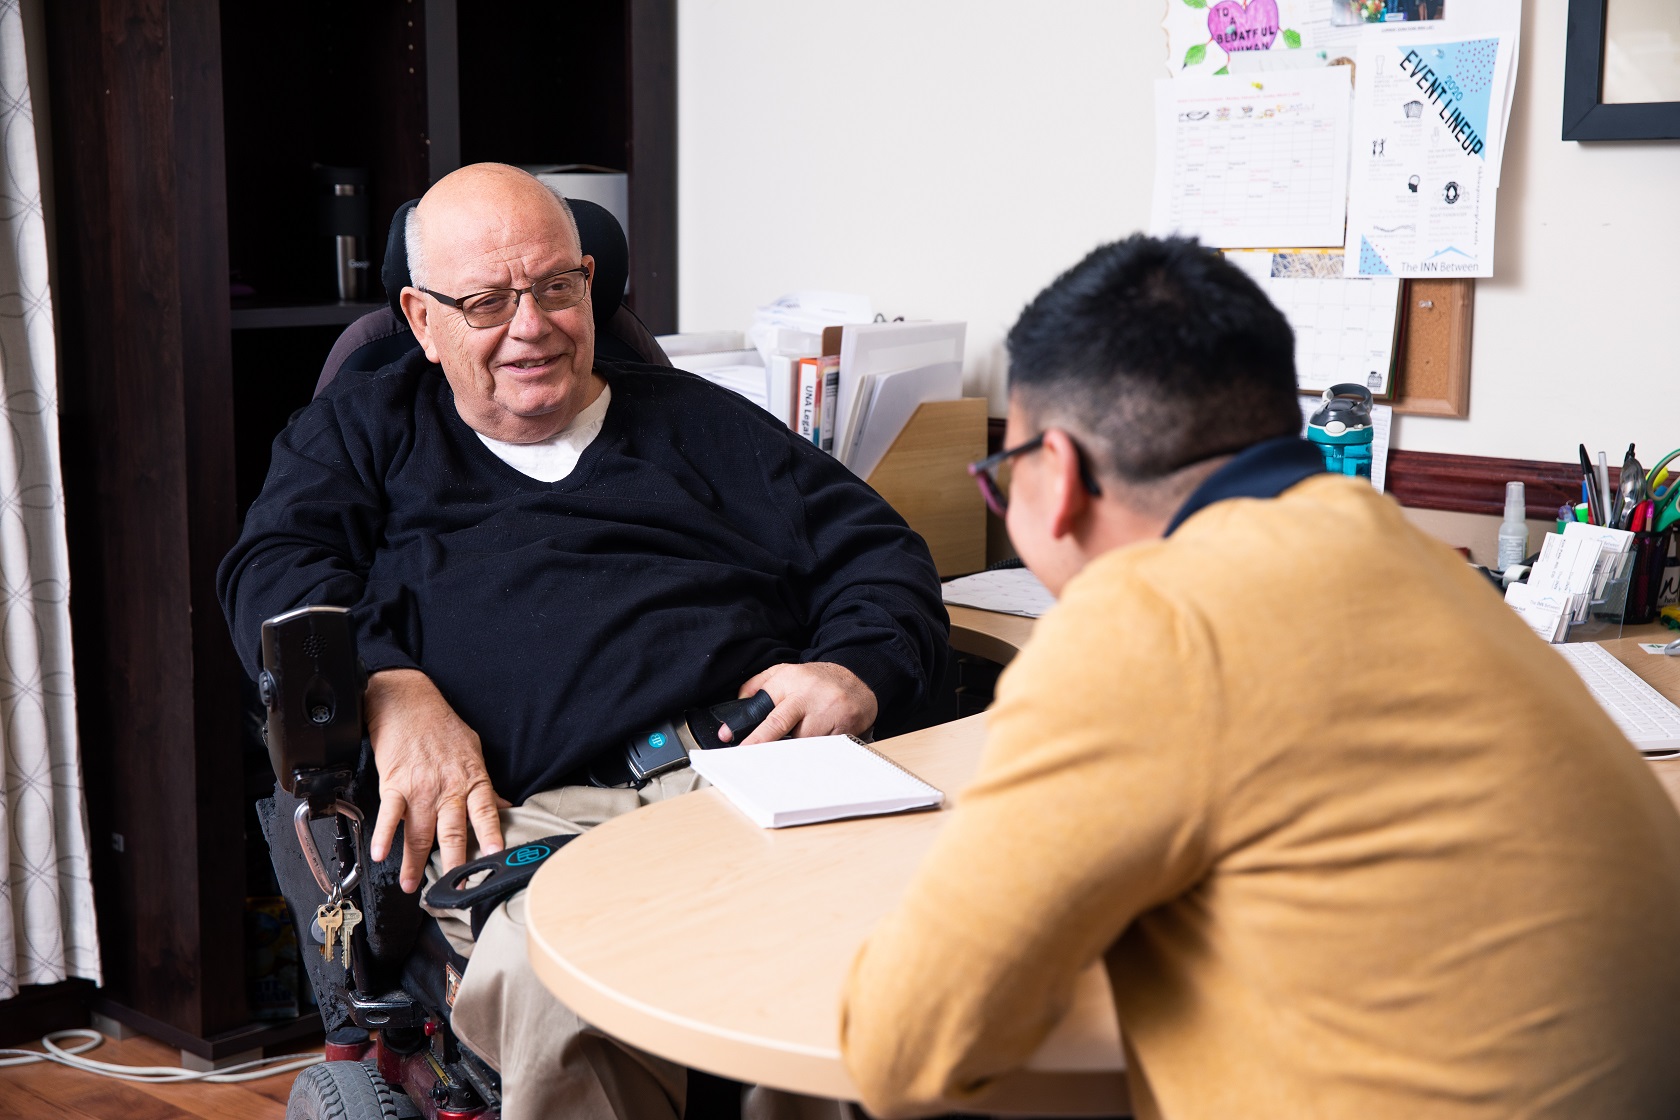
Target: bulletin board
{"type": "Point", "coordinates": [1434, 352]}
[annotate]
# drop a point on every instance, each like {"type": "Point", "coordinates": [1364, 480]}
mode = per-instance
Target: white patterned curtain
{"type": "Point", "coordinates": [47, 930]}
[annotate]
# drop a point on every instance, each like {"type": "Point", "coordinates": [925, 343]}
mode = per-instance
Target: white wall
{"type": "Point", "coordinates": [950, 157]}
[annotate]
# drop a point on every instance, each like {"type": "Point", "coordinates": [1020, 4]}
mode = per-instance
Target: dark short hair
{"type": "Point", "coordinates": [1160, 353]}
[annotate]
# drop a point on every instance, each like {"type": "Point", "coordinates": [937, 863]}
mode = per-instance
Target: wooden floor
{"type": "Point", "coordinates": [49, 1091]}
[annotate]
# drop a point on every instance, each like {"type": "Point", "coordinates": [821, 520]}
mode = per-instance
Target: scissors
{"type": "Point", "coordinates": [1666, 512]}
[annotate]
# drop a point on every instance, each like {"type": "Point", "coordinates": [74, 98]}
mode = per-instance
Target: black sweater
{"type": "Point", "coordinates": [696, 543]}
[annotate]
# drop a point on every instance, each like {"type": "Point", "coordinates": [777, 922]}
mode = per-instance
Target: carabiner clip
{"type": "Point", "coordinates": [317, 867]}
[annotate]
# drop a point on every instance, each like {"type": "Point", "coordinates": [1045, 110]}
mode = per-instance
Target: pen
{"type": "Point", "coordinates": [1587, 494]}
{"type": "Point", "coordinates": [1605, 501]}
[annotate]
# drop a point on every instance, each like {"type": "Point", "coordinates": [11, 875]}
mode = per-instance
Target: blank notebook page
{"type": "Point", "coordinates": [803, 781]}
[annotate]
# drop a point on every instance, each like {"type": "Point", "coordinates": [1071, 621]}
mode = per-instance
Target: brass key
{"type": "Point", "coordinates": [351, 918]}
{"type": "Point", "coordinates": [329, 916]}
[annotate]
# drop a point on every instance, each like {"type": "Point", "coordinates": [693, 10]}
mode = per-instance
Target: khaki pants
{"type": "Point", "coordinates": [553, 1064]}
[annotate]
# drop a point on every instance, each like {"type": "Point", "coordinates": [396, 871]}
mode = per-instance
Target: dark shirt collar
{"type": "Point", "coordinates": [1262, 471]}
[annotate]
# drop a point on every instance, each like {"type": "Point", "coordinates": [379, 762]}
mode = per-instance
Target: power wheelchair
{"type": "Point", "coordinates": [385, 995]}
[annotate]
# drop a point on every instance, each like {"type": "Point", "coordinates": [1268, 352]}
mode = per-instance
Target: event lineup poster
{"type": "Point", "coordinates": [1422, 190]}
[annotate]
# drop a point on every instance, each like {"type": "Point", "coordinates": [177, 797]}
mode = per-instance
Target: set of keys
{"type": "Point", "coordinates": [334, 923]}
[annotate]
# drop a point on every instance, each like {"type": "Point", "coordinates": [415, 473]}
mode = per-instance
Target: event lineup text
{"type": "Point", "coordinates": [1446, 94]}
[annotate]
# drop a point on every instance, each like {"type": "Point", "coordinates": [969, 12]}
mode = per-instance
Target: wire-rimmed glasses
{"type": "Point", "coordinates": [495, 306]}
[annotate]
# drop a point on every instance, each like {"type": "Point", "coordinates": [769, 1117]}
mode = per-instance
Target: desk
{"type": "Point", "coordinates": [1662, 674]}
{"type": "Point", "coordinates": [988, 634]}
{"type": "Point", "coordinates": [750, 931]}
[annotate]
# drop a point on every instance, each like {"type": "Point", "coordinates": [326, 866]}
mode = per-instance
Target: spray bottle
{"type": "Point", "coordinates": [1513, 531]}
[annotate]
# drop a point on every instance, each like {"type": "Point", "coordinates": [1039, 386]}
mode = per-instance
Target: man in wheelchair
{"type": "Point", "coordinates": [542, 555]}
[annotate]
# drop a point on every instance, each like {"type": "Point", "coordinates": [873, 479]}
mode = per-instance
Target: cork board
{"type": "Point", "coordinates": [1434, 353]}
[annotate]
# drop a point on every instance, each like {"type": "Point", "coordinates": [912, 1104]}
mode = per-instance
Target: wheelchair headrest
{"type": "Point", "coordinates": [598, 232]}
{"type": "Point", "coordinates": [394, 272]}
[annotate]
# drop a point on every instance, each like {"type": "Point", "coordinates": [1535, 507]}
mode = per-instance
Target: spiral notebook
{"type": "Point", "coordinates": [804, 781]}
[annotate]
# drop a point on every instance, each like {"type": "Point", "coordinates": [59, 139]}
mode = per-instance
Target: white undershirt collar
{"type": "Point", "coordinates": [554, 458]}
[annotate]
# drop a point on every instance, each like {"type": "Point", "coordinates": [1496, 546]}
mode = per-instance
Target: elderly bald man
{"type": "Point", "coordinates": [544, 554]}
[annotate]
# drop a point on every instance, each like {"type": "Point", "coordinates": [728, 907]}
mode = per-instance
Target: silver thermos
{"type": "Point", "coordinates": [345, 219]}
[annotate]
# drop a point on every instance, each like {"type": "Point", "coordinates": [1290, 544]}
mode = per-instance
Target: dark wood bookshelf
{"type": "Point", "coordinates": [259, 316]}
{"type": "Point", "coordinates": [186, 134]}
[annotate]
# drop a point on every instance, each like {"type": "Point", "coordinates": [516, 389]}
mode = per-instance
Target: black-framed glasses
{"type": "Point", "coordinates": [495, 306]}
{"type": "Point", "coordinates": [996, 492]}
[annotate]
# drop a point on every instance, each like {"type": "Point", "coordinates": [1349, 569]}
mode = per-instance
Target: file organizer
{"type": "Point", "coordinates": [924, 476]}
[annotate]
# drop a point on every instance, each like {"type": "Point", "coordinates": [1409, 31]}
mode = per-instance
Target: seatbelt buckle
{"type": "Point", "coordinates": [658, 750]}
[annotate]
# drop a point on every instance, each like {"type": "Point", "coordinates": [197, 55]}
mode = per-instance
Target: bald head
{"type": "Point", "coordinates": [471, 199]}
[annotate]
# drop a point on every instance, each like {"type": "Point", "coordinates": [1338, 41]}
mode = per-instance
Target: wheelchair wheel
{"type": "Point", "coordinates": [340, 1091]}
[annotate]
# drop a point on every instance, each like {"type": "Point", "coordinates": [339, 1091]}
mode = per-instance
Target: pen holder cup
{"type": "Point", "coordinates": [1650, 558]}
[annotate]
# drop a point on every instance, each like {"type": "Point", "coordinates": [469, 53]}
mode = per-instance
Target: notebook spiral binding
{"type": "Point", "coordinates": [919, 781]}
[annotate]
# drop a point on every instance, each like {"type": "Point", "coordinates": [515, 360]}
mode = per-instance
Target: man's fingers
{"type": "Point", "coordinates": [417, 846]}
{"type": "Point", "coordinates": [783, 719]}
{"type": "Point", "coordinates": [391, 808]}
{"type": "Point", "coordinates": [452, 832]}
{"type": "Point", "coordinates": [756, 682]}
{"type": "Point", "coordinates": [486, 821]}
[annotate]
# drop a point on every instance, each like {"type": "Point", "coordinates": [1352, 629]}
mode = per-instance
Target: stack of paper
{"type": "Point", "coordinates": [700, 342]}
{"type": "Point", "coordinates": [803, 781]}
{"type": "Point", "coordinates": [1007, 591]}
{"type": "Point", "coordinates": [740, 371]}
{"type": "Point", "coordinates": [808, 312]}
{"type": "Point", "coordinates": [1575, 571]}
{"type": "Point", "coordinates": [816, 362]}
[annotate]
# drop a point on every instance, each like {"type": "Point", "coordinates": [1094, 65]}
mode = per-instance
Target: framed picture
{"type": "Point", "coordinates": [1621, 76]}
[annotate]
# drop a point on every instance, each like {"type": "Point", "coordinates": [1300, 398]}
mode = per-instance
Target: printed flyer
{"type": "Point", "coordinates": [1422, 188]}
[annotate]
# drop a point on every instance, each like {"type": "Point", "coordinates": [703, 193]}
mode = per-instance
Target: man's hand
{"type": "Point", "coordinates": [817, 698]}
{"type": "Point", "coordinates": [431, 774]}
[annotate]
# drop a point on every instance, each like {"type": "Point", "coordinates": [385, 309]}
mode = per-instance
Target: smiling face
{"type": "Point", "coordinates": [489, 226]}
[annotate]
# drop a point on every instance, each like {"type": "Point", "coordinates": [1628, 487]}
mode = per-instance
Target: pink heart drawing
{"type": "Point", "coordinates": [1236, 27]}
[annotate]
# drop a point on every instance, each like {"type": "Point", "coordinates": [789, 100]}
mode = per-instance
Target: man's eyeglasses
{"type": "Point", "coordinates": [495, 306]}
{"type": "Point", "coordinates": [996, 492]}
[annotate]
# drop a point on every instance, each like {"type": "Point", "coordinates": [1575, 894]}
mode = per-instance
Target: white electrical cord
{"type": "Point", "coordinates": [70, 1056]}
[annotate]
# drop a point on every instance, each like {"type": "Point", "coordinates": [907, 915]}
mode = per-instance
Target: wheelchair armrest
{"type": "Point", "coordinates": [505, 873]}
{"type": "Point", "coordinates": [391, 918]}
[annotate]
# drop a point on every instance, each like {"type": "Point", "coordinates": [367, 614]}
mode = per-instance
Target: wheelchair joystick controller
{"type": "Point", "coordinates": [311, 685]}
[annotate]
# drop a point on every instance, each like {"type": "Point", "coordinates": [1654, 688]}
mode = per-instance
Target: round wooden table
{"type": "Point", "coordinates": [687, 930]}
